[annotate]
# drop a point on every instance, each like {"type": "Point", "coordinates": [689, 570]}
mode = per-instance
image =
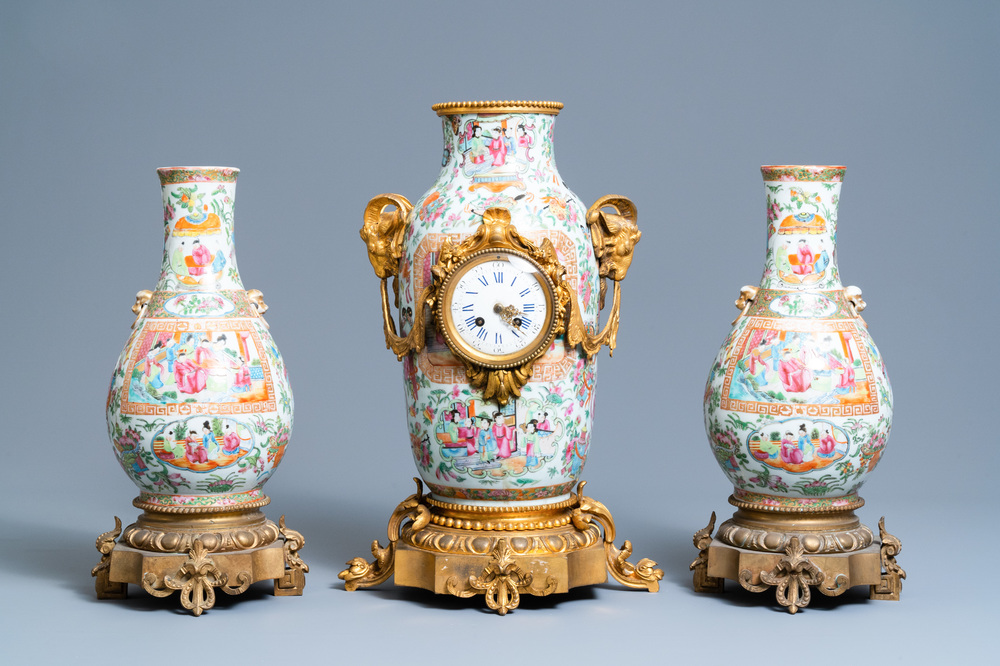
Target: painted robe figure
{"type": "Point", "coordinates": [486, 441]}
{"type": "Point", "coordinates": [189, 376]}
{"type": "Point", "coordinates": [827, 445]}
{"type": "Point", "coordinates": [795, 376]}
{"type": "Point", "coordinates": [806, 259]}
{"type": "Point", "coordinates": [503, 434]}
{"type": "Point", "coordinates": [467, 434]}
{"type": "Point", "coordinates": [805, 445]}
{"type": "Point", "coordinates": [230, 442]}
{"type": "Point", "coordinates": [790, 453]}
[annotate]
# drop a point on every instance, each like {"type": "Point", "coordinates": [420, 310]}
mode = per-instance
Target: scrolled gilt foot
{"type": "Point", "coordinates": [105, 588]}
{"type": "Point", "coordinates": [702, 540]}
{"type": "Point", "coordinates": [889, 588]}
{"type": "Point", "coordinates": [644, 574]}
{"type": "Point", "coordinates": [360, 573]}
{"type": "Point", "coordinates": [502, 582]}
{"type": "Point", "coordinates": [293, 582]}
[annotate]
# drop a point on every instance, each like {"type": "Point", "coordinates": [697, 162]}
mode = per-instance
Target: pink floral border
{"type": "Point", "coordinates": [231, 499]}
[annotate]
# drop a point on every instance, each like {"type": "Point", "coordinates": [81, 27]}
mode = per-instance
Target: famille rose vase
{"type": "Point", "coordinates": [199, 410]}
{"type": "Point", "coordinates": [482, 435]}
{"type": "Point", "coordinates": [798, 404]}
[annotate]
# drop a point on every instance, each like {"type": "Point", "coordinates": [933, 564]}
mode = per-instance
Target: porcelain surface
{"type": "Point", "coordinates": [798, 405]}
{"type": "Point", "coordinates": [199, 409]}
{"type": "Point", "coordinates": [532, 449]}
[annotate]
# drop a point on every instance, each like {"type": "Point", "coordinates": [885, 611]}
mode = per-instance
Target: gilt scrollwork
{"type": "Point", "coordinates": [383, 233]}
{"type": "Point", "coordinates": [643, 574]}
{"type": "Point", "coordinates": [502, 581]}
{"type": "Point", "coordinates": [293, 580]}
{"type": "Point", "coordinates": [792, 577]}
{"type": "Point", "coordinates": [702, 540]}
{"type": "Point", "coordinates": [196, 580]}
{"type": "Point", "coordinates": [891, 584]}
{"type": "Point", "coordinates": [614, 236]}
{"type": "Point", "coordinates": [362, 573]}
{"type": "Point", "coordinates": [497, 232]}
{"type": "Point", "coordinates": [106, 589]}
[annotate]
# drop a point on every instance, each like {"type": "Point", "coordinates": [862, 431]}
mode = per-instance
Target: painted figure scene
{"type": "Point", "coordinates": [197, 257]}
{"type": "Point", "coordinates": [483, 439]}
{"type": "Point", "coordinates": [798, 445]}
{"type": "Point", "coordinates": [203, 443]}
{"type": "Point", "coordinates": [818, 368]}
{"type": "Point", "coordinates": [494, 152]}
{"type": "Point", "coordinates": [197, 366]}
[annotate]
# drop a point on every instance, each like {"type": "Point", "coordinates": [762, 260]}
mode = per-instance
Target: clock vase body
{"type": "Point", "coordinates": [798, 405]}
{"type": "Point", "coordinates": [468, 449]}
{"type": "Point", "coordinates": [498, 274]}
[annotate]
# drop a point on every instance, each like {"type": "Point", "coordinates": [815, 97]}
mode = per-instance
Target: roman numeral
{"type": "Point", "coordinates": [513, 281]}
{"type": "Point", "coordinates": [481, 334]}
{"type": "Point", "coordinates": [525, 293]}
{"type": "Point", "coordinates": [498, 278]}
{"type": "Point", "coordinates": [525, 322]}
{"type": "Point", "coordinates": [497, 338]}
{"type": "Point", "coordinates": [483, 280]}
{"type": "Point", "coordinates": [470, 322]}
{"type": "Point", "coordinates": [467, 308]}
{"type": "Point", "coordinates": [528, 307]}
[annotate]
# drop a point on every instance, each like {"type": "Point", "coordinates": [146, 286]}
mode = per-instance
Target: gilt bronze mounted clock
{"type": "Point", "coordinates": [496, 309]}
{"type": "Point", "coordinates": [498, 276]}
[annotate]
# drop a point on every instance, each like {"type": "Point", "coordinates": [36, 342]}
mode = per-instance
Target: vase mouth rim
{"type": "Point", "coordinates": [186, 174]}
{"type": "Point", "coordinates": [807, 172]}
{"type": "Point", "coordinates": [497, 106]}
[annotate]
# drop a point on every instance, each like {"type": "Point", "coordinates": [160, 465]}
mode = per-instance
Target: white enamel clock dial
{"type": "Point", "coordinates": [497, 309]}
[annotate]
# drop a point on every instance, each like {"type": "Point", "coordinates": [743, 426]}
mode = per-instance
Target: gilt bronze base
{"type": "Point", "coordinates": [500, 552]}
{"type": "Point", "coordinates": [197, 553]}
{"type": "Point", "coordinates": [794, 552]}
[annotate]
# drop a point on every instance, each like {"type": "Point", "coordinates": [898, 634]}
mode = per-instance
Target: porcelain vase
{"type": "Point", "coordinates": [798, 405]}
{"type": "Point", "coordinates": [499, 159]}
{"type": "Point", "coordinates": [199, 410]}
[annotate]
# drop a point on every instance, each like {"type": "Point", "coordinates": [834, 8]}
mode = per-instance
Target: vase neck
{"type": "Point", "coordinates": [198, 243]}
{"type": "Point", "coordinates": [497, 147]}
{"type": "Point", "coordinates": [802, 228]}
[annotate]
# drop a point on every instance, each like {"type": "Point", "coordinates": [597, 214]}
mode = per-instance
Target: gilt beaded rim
{"type": "Point", "coordinates": [498, 106]}
{"type": "Point", "coordinates": [478, 508]}
{"type": "Point", "coordinates": [197, 174]}
{"type": "Point", "coordinates": [803, 172]}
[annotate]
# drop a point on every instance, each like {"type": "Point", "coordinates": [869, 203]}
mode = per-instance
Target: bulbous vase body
{"type": "Point", "coordinates": [467, 449]}
{"type": "Point", "coordinates": [798, 404]}
{"type": "Point", "coordinates": [199, 410]}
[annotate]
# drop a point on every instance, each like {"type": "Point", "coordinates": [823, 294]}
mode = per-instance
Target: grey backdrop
{"type": "Point", "coordinates": [323, 105]}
